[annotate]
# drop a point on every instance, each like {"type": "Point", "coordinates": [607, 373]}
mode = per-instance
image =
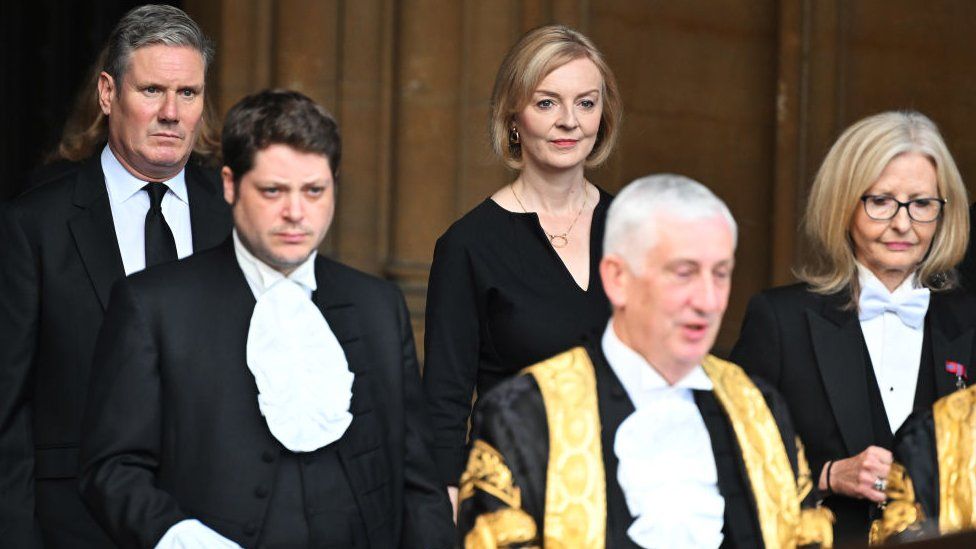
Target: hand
{"type": "Point", "coordinates": [452, 494]}
{"type": "Point", "coordinates": [855, 476]}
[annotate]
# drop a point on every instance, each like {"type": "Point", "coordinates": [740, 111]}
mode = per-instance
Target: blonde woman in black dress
{"type": "Point", "coordinates": [515, 280]}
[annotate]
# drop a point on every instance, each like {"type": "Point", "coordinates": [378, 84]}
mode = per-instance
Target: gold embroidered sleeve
{"type": "Point", "coordinates": [816, 527]}
{"type": "Point", "coordinates": [955, 443]}
{"type": "Point", "coordinates": [902, 512]}
{"type": "Point", "coordinates": [486, 471]}
{"type": "Point", "coordinates": [505, 526]}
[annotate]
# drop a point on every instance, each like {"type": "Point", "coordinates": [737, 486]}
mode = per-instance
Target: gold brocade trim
{"type": "Point", "coordinates": [486, 471]}
{"type": "Point", "coordinates": [804, 481]}
{"type": "Point", "coordinates": [816, 526]}
{"type": "Point", "coordinates": [576, 502]}
{"type": "Point", "coordinates": [901, 511]}
{"type": "Point", "coordinates": [955, 423]}
{"type": "Point", "coordinates": [501, 529]}
{"type": "Point", "coordinates": [767, 465]}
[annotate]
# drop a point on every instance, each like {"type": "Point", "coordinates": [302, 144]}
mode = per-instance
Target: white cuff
{"type": "Point", "coordinates": [193, 534]}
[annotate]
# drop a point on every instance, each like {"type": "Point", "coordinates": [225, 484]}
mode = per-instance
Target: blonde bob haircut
{"type": "Point", "coordinates": [526, 65]}
{"type": "Point", "coordinates": [853, 164]}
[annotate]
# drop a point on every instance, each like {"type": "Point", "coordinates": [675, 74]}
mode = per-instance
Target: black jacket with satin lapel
{"type": "Point", "coordinates": [173, 428]}
{"type": "Point", "coordinates": [952, 324]}
{"type": "Point", "coordinates": [58, 260]}
{"type": "Point", "coordinates": [811, 349]}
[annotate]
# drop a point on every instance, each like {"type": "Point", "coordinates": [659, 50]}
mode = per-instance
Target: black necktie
{"type": "Point", "coordinates": [160, 245]}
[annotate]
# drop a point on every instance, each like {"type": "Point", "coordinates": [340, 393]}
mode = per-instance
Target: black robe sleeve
{"type": "Point", "coordinates": [503, 489]}
{"type": "Point", "coordinates": [912, 512]}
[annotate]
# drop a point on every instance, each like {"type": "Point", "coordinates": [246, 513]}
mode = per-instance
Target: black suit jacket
{"type": "Point", "coordinates": [811, 349]}
{"type": "Point", "coordinates": [173, 429]}
{"type": "Point", "coordinates": [59, 257]}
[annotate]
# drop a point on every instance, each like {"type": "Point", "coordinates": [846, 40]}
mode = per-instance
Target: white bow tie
{"type": "Point", "coordinates": [910, 306]}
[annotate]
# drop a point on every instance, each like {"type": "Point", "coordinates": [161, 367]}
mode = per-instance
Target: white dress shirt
{"type": "Point", "coordinates": [260, 276]}
{"type": "Point", "coordinates": [130, 204]}
{"type": "Point", "coordinates": [667, 467]}
{"type": "Point", "coordinates": [895, 349]}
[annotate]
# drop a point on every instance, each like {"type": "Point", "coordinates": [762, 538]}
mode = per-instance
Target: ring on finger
{"type": "Point", "coordinates": [880, 484]}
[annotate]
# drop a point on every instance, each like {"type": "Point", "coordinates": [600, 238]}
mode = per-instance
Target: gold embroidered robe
{"type": "Point", "coordinates": [559, 499]}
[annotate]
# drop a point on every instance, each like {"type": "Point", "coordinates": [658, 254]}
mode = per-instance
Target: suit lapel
{"type": "Point", "coordinates": [839, 349]}
{"type": "Point", "coordinates": [948, 343]}
{"type": "Point", "coordinates": [365, 433]}
{"type": "Point", "coordinates": [340, 312]}
{"type": "Point", "coordinates": [210, 220]}
{"type": "Point", "coordinates": [93, 230]}
{"type": "Point", "coordinates": [343, 318]}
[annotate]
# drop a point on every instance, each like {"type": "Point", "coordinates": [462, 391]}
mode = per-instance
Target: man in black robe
{"type": "Point", "coordinates": [639, 438]}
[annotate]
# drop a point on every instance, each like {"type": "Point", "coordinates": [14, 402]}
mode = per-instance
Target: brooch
{"type": "Point", "coordinates": [957, 370]}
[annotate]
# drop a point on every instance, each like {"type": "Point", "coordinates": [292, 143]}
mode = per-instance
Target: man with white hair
{"type": "Point", "coordinates": [640, 438]}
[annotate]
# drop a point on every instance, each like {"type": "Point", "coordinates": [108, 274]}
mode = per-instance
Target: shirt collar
{"type": "Point", "coordinates": [122, 185]}
{"type": "Point", "coordinates": [260, 276]}
{"type": "Point", "coordinates": [865, 278]}
{"type": "Point", "coordinates": [639, 378]}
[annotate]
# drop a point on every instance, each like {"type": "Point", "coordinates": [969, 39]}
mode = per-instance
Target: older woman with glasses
{"type": "Point", "coordinates": [877, 327]}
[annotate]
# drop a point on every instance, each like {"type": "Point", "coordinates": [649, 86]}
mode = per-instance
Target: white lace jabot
{"type": "Point", "coordinates": [667, 468]}
{"type": "Point", "coordinates": [303, 378]}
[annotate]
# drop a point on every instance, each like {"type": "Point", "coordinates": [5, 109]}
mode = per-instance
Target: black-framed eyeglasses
{"type": "Point", "coordinates": [922, 210]}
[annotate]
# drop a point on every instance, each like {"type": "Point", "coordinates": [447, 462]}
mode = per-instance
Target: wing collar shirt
{"type": "Point", "coordinates": [893, 324]}
{"type": "Point", "coordinates": [130, 204]}
{"type": "Point", "coordinates": [667, 468]}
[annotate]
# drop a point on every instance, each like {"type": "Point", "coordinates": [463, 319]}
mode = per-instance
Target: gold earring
{"type": "Point", "coordinates": [513, 136]}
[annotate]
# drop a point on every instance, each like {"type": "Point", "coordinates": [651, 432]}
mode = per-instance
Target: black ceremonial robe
{"type": "Point", "coordinates": [542, 470]}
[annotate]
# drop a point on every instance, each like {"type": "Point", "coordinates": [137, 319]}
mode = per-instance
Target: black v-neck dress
{"type": "Point", "coordinates": [499, 299]}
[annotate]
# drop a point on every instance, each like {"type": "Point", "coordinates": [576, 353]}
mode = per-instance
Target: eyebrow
{"type": "Point", "coordinates": [681, 262]}
{"type": "Point", "coordinates": [911, 196]}
{"type": "Point", "coordinates": [554, 94]}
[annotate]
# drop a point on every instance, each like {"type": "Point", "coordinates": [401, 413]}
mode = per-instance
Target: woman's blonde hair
{"type": "Point", "coordinates": [853, 164]}
{"type": "Point", "coordinates": [531, 59]}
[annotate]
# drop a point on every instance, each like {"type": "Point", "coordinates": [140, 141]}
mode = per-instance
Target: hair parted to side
{"type": "Point", "coordinates": [87, 127]}
{"type": "Point", "coordinates": [851, 167]}
{"type": "Point", "coordinates": [632, 220]}
{"type": "Point", "coordinates": [278, 117]}
{"type": "Point", "coordinates": [150, 25]}
{"type": "Point", "coordinates": [531, 59]}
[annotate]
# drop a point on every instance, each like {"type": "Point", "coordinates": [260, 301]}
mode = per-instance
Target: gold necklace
{"type": "Point", "coordinates": [560, 240]}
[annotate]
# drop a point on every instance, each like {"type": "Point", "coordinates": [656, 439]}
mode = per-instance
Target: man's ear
{"type": "Point", "coordinates": [227, 176]}
{"type": "Point", "coordinates": [615, 274]}
{"type": "Point", "coordinates": [106, 92]}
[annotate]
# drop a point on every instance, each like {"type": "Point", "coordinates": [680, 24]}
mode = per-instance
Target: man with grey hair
{"type": "Point", "coordinates": [640, 438]}
{"type": "Point", "coordinates": [135, 203]}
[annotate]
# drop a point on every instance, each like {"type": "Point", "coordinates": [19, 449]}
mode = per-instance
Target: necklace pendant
{"type": "Point", "coordinates": [558, 240]}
